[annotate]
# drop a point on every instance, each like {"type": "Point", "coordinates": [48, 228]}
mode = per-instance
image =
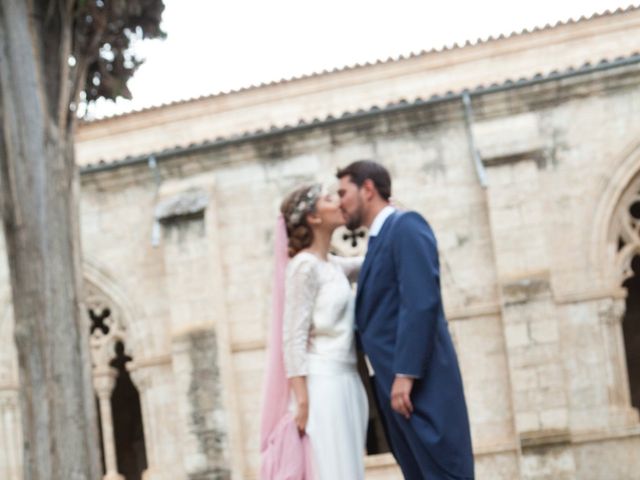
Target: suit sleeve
{"type": "Point", "coordinates": [415, 255]}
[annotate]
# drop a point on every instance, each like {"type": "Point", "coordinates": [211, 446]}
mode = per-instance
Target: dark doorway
{"type": "Point", "coordinates": [127, 420]}
{"type": "Point", "coordinates": [631, 331]}
{"type": "Point", "coordinates": [377, 440]}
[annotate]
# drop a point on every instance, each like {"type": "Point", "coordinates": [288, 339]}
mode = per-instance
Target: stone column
{"type": "Point", "coordinates": [611, 314]}
{"type": "Point", "coordinates": [530, 315]}
{"type": "Point", "coordinates": [195, 356]}
{"type": "Point", "coordinates": [103, 381]}
{"type": "Point", "coordinates": [154, 381]}
{"type": "Point", "coordinates": [10, 435]}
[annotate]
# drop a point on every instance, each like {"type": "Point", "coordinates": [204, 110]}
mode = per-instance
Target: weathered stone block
{"type": "Point", "coordinates": [527, 421]}
{"type": "Point", "coordinates": [545, 331]}
{"type": "Point", "coordinates": [554, 419]}
{"type": "Point", "coordinates": [525, 289]}
{"type": "Point", "coordinates": [517, 335]}
{"type": "Point", "coordinates": [205, 449]}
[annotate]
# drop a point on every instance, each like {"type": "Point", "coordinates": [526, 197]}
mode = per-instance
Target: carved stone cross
{"type": "Point", "coordinates": [97, 320]}
{"type": "Point", "coordinates": [353, 235]}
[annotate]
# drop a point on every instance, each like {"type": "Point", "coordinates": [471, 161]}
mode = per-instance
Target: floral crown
{"type": "Point", "coordinates": [305, 204]}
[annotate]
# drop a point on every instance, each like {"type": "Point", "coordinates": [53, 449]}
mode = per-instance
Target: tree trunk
{"type": "Point", "coordinates": [39, 194]}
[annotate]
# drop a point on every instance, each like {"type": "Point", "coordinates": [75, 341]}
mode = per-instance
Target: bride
{"type": "Point", "coordinates": [317, 351]}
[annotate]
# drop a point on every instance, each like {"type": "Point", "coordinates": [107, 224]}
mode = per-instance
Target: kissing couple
{"type": "Point", "coordinates": [315, 411]}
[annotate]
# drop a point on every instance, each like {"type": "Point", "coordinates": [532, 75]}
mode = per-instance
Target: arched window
{"type": "Point", "coordinates": [626, 231]}
{"type": "Point", "coordinates": [121, 427]}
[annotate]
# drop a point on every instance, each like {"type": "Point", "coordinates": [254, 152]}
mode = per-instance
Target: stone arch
{"type": "Point", "coordinates": [114, 343]}
{"type": "Point", "coordinates": [102, 289]}
{"type": "Point", "coordinates": [624, 230]}
{"type": "Point", "coordinates": [107, 327]}
{"type": "Point", "coordinates": [604, 257]}
{"type": "Point", "coordinates": [615, 255]}
{"type": "Point", "coordinates": [623, 243]}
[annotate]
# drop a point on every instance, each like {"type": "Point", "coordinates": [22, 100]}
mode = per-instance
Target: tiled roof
{"type": "Point", "coordinates": [403, 104]}
{"type": "Point", "coordinates": [456, 46]}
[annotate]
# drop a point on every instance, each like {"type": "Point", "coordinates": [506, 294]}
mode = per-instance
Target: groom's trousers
{"type": "Point", "coordinates": [407, 448]}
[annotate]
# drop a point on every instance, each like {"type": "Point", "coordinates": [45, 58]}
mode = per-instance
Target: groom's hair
{"type": "Point", "coordinates": [362, 170]}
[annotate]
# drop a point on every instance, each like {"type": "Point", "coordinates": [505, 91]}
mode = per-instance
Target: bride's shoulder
{"type": "Point", "coordinates": [302, 260]}
{"type": "Point", "coordinates": [336, 259]}
{"type": "Point", "coordinates": [304, 256]}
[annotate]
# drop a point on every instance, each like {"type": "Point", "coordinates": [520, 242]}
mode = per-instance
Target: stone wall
{"type": "Point", "coordinates": [532, 318]}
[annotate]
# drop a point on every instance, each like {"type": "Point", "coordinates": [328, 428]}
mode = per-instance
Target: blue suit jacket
{"type": "Point", "coordinates": [402, 329]}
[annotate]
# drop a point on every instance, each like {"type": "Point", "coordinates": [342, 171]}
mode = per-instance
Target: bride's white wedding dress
{"type": "Point", "coordinates": [319, 344]}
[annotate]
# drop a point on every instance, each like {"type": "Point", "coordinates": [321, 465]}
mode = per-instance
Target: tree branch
{"type": "Point", "coordinates": [64, 73]}
{"type": "Point", "coordinates": [86, 46]}
{"type": "Point", "coordinates": [3, 161]}
{"type": "Point", "coordinates": [52, 27]}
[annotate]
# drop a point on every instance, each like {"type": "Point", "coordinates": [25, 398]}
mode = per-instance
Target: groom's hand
{"type": "Point", "coordinates": [401, 396]}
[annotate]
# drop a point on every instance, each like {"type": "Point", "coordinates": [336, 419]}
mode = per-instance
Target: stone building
{"type": "Point", "coordinates": [522, 152]}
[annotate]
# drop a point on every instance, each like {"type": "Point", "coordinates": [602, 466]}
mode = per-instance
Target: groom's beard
{"type": "Point", "coordinates": [355, 220]}
{"type": "Point", "coordinates": [354, 224]}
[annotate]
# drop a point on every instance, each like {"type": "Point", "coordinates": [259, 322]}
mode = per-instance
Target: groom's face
{"type": "Point", "coordinates": [351, 202]}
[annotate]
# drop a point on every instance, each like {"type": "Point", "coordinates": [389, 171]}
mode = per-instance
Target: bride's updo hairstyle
{"type": "Point", "coordinates": [294, 209]}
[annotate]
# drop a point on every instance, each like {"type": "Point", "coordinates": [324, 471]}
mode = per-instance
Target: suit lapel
{"type": "Point", "coordinates": [371, 254]}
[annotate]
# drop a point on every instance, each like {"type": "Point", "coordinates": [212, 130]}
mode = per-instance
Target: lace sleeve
{"type": "Point", "coordinates": [301, 287]}
{"type": "Point", "coordinates": [349, 265]}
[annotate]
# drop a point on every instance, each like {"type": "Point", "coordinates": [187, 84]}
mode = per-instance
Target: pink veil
{"type": "Point", "coordinates": [277, 424]}
{"type": "Point", "coordinates": [276, 387]}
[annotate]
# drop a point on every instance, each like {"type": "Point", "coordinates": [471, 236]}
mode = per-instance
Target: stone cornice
{"type": "Point", "coordinates": [425, 75]}
{"type": "Point", "coordinates": [604, 67]}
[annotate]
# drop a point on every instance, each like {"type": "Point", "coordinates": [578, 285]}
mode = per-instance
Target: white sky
{"type": "Point", "coordinates": [215, 45]}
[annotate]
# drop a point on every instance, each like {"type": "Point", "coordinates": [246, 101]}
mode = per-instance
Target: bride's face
{"type": "Point", "coordinates": [328, 212]}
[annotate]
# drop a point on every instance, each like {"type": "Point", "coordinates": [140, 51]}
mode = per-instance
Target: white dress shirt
{"type": "Point", "coordinates": [378, 222]}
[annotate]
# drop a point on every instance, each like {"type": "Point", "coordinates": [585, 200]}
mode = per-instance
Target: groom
{"type": "Point", "coordinates": [403, 331]}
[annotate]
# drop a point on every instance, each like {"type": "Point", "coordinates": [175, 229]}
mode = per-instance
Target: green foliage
{"type": "Point", "coordinates": [103, 32]}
